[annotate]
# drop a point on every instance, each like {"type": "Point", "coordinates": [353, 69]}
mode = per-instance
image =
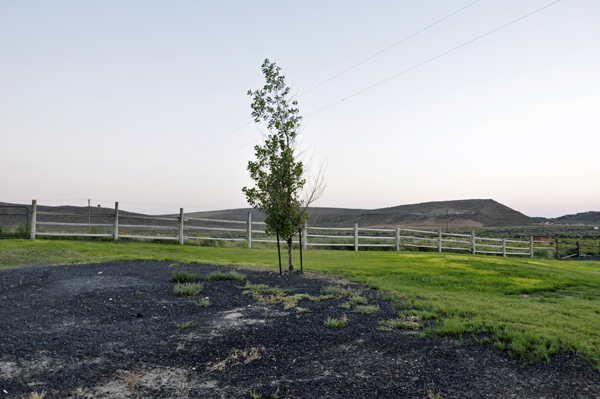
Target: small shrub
{"type": "Point", "coordinates": [366, 309]}
{"type": "Point", "coordinates": [255, 395]}
{"type": "Point", "coordinates": [345, 305]}
{"type": "Point", "coordinates": [185, 324]}
{"type": "Point", "coordinates": [203, 303]}
{"type": "Point", "coordinates": [188, 289]}
{"type": "Point", "coordinates": [336, 323]}
{"type": "Point", "coordinates": [233, 275]}
{"type": "Point", "coordinates": [181, 276]}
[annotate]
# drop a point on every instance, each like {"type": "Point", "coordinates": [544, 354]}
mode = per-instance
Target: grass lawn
{"type": "Point", "coordinates": [531, 308]}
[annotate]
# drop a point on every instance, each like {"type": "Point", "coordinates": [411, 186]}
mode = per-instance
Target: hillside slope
{"type": "Point", "coordinates": [578, 218]}
{"type": "Point", "coordinates": [462, 213]}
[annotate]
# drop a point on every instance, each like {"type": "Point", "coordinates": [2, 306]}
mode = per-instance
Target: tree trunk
{"type": "Point", "coordinates": [290, 247]}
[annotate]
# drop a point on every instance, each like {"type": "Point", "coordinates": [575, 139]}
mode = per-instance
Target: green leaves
{"type": "Point", "coordinates": [277, 171]}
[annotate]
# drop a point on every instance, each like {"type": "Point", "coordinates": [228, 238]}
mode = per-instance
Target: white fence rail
{"type": "Point", "coordinates": [190, 228]}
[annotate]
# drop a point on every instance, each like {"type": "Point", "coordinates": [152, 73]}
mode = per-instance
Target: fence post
{"type": "Point", "coordinates": [116, 228]}
{"type": "Point", "coordinates": [397, 238]}
{"type": "Point", "coordinates": [504, 247]}
{"type": "Point", "coordinates": [557, 252]}
{"type": "Point", "coordinates": [531, 246]}
{"type": "Point", "coordinates": [473, 241]}
{"type": "Point", "coordinates": [355, 236]}
{"type": "Point", "coordinates": [305, 234]}
{"type": "Point", "coordinates": [578, 250]}
{"type": "Point", "coordinates": [181, 226]}
{"type": "Point", "coordinates": [33, 218]}
{"type": "Point", "coordinates": [440, 239]}
{"type": "Point", "coordinates": [249, 229]}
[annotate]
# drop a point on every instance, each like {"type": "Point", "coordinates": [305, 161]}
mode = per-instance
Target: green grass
{"type": "Point", "coordinates": [530, 308]}
{"type": "Point", "coordinates": [181, 276]}
{"type": "Point", "coordinates": [188, 289]}
{"type": "Point", "coordinates": [233, 275]}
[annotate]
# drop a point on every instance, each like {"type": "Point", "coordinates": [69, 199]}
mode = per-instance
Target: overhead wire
{"type": "Point", "coordinates": [356, 93]}
{"type": "Point", "coordinates": [387, 48]}
{"type": "Point", "coordinates": [301, 94]}
{"type": "Point", "coordinates": [432, 59]}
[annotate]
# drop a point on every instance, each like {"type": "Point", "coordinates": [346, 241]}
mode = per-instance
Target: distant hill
{"type": "Point", "coordinates": [96, 214]}
{"type": "Point", "coordinates": [578, 218]}
{"type": "Point", "coordinates": [463, 213]}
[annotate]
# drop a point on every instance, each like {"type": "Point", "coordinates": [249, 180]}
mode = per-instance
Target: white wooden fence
{"type": "Point", "coordinates": [190, 228]}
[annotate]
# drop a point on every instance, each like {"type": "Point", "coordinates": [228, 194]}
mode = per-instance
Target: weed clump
{"type": "Point", "coordinates": [188, 289]}
{"type": "Point", "coordinates": [181, 276]}
{"type": "Point", "coordinates": [340, 292]}
{"type": "Point", "coordinates": [233, 275]}
{"type": "Point", "coordinates": [403, 323]}
{"type": "Point", "coordinates": [185, 324]}
{"type": "Point", "coordinates": [357, 300]}
{"type": "Point", "coordinates": [366, 309]}
{"type": "Point", "coordinates": [203, 303]}
{"type": "Point", "coordinates": [336, 323]}
{"type": "Point", "coordinates": [263, 289]}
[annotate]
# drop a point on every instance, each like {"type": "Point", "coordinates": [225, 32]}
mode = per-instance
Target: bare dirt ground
{"type": "Point", "coordinates": [108, 331]}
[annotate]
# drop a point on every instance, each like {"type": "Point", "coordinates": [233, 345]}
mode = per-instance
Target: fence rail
{"type": "Point", "coordinates": [314, 236]}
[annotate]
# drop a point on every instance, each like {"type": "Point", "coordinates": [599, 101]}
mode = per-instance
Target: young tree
{"type": "Point", "coordinates": [278, 171]}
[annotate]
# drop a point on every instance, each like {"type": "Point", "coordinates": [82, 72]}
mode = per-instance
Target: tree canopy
{"type": "Point", "coordinates": [278, 171]}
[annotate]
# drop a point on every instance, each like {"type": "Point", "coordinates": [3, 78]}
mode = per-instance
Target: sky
{"type": "Point", "coordinates": [145, 102]}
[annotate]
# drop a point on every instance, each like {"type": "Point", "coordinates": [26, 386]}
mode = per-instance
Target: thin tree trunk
{"type": "Point", "coordinates": [290, 247]}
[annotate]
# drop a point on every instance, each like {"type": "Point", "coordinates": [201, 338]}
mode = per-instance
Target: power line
{"type": "Point", "coordinates": [352, 95]}
{"type": "Point", "coordinates": [194, 168]}
{"type": "Point", "coordinates": [307, 91]}
{"type": "Point", "coordinates": [433, 58]}
{"type": "Point", "coordinates": [387, 48]}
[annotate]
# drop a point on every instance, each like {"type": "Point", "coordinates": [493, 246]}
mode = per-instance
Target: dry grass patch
{"type": "Point", "coordinates": [35, 395]}
{"type": "Point", "coordinates": [132, 380]}
{"type": "Point", "coordinates": [237, 356]}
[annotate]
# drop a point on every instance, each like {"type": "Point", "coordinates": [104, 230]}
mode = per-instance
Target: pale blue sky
{"type": "Point", "coordinates": [100, 99]}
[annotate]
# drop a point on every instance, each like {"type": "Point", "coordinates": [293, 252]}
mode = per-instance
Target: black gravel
{"type": "Point", "coordinates": [86, 330]}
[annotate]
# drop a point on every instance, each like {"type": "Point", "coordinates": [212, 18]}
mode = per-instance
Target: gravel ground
{"type": "Point", "coordinates": [107, 331]}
